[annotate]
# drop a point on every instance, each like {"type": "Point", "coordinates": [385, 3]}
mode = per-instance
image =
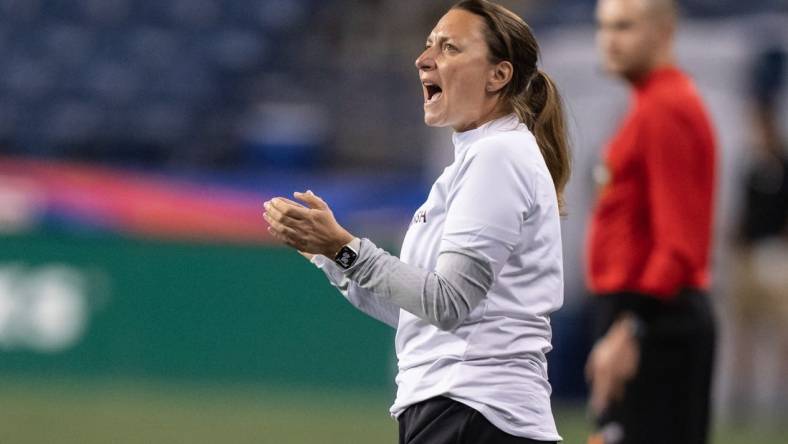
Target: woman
{"type": "Point", "coordinates": [480, 269]}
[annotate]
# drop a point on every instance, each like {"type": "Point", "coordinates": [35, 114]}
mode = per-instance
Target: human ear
{"type": "Point", "coordinates": [500, 76]}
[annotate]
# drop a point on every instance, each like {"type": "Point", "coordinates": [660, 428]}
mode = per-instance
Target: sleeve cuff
{"type": "Point", "coordinates": [319, 260]}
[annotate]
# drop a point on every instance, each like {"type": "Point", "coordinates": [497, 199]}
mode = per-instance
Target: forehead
{"type": "Point", "coordinates": [459, 24]}
{"type": "Point", "coordinates": [607, 10]}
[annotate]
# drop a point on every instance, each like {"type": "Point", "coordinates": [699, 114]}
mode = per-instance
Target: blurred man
{"type": "Point", "coordinates": [649, 241]}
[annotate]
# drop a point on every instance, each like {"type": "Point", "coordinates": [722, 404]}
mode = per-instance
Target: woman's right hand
{"type": "Point", "coordinates": [312, 228]}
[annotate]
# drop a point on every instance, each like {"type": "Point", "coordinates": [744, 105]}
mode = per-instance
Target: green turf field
{"type": "Point", "coordinates": [73, 412]}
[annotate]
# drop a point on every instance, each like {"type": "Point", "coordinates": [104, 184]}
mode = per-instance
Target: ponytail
{"type": "Point", "coordinates": [541, 109]}
{"type": "Point", "coordinates": [531, 93]}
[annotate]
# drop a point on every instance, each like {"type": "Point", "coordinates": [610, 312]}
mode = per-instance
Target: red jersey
{"type": "Point", "coordinates": [652, 226]}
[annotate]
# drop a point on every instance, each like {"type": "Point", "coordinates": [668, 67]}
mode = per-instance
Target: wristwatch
{"type": "Point", "coordinates": [348, 254]}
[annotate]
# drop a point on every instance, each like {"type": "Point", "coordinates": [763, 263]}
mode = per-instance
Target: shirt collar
{"type": "Point", "coordinates": [656, 76]}
{"type": "Point", "coordinates": [465, 139]}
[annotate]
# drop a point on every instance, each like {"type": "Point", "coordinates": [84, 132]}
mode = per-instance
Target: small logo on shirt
{"type": "Point", "coordinates": [420, 217]}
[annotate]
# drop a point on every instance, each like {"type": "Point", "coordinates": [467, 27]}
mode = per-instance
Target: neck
{"type": "Point", "coordinates": [662, 59]}
{"type": "Point", "coordinates": [492, 113]}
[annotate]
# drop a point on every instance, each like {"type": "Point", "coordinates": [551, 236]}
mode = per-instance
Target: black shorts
{"type": "Point", "coordinates": [441, 420]}
{"type": "Point", "coordinates": [667, 402]}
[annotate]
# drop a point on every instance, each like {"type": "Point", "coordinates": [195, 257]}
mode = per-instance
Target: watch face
{"type": "Point", "coordinates": [346, 257]}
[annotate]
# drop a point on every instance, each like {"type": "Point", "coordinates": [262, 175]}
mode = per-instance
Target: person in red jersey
{"type": "Point", "coordinates": [649, 241]}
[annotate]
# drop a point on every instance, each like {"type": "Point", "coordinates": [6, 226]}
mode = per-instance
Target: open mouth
{"type": "Point", "coordinates": [432, 93]}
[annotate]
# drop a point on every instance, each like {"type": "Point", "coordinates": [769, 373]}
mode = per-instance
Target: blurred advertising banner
{"type": "Point", "coordinates": [34, 192]}
{"type": "Point", "coordinates": [111, 307]}
{"type": "Point", "coordinates": [82, 198]}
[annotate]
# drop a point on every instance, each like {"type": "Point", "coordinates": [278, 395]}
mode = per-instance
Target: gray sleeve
{"type": "Point", "coordinates": [360, 298]}
{"type": "Point", "coordinates": [443, 297]}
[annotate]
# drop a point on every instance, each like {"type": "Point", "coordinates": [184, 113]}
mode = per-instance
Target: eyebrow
{"type": "Point", "coordinates": [441, 39]}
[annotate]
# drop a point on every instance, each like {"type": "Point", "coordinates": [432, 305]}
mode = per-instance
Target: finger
{"type": "Point", "coordinates": [292, 211]}
{"type": "Point", "coordinates": [284, 231]}
{"type": "Point", "coordinates": [292, 202]}
{"type": "Point", "coordinates": [311, 200]}
{"type": "Point", "coordinates": [593, 401]}
{"type": "Point", "coordinates": [279, 216]}
{"type": "Point", "coordinates": [600, 395]}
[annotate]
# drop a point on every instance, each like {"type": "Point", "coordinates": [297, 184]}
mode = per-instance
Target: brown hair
{"type": "Point", "coordinates": [531, 93]}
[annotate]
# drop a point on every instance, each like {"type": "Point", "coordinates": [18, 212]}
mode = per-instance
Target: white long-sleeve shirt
{"type": "Point", "coordinates": [496, 204]}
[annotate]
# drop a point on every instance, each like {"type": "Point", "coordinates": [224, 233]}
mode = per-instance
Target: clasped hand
{"type": "Point", "coordinates": [310, 228]}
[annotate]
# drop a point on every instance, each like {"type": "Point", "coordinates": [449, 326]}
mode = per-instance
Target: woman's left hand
{"type": "Point", "coordinates": [309, 229]}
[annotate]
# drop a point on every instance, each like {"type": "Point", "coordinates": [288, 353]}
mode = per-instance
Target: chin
{"type": "Point", "coordinates": [624, 70]}
{"type": "Point", "coordinates": [433, 121]}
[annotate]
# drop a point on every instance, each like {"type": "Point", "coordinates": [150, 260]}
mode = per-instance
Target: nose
{"type": "Point", "coordinates": [425, 61]}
